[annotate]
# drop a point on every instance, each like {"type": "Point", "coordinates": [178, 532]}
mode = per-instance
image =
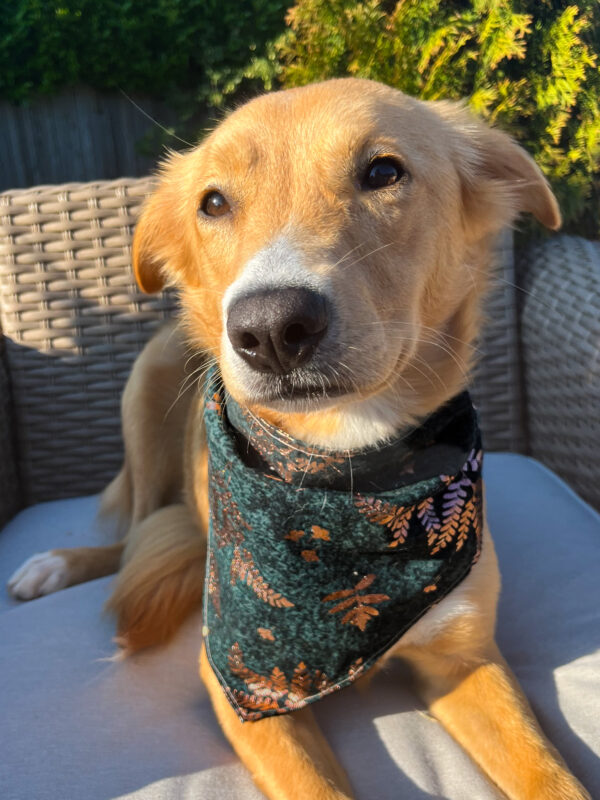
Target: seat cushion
{"type": "Point", "coordinates": [62, 523]}
{"type": "Point", "coordinates": [77, 724]}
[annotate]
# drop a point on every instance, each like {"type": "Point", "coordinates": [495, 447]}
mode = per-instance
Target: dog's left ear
{"type": "Point", "coordinates": [499, 180]}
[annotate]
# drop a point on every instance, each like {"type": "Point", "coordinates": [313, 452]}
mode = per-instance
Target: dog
{"type": "Point", "coordinates": [331, 248]}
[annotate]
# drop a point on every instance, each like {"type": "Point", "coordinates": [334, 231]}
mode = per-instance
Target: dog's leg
{"type": "Point", "coordinates": [478, 700]}
{"type": "Point", "coordinates": [154, 409]}
{"type": "Point", "coordinates": [287, 756]}
{"type": "Point", "coordinates": [48, 572]}
{"type": "Point", "coordinates": [471, 690]}
{"type": "Point", "coordinates": [154, 413]}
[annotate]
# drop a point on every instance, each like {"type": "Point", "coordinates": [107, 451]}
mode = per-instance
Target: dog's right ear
{"type": "Point", "coordinates": [160, 243]}
{"type": "Point", "coordinates": [148, 240]}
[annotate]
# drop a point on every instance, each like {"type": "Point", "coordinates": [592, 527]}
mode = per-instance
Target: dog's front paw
{"type": "Point", "coordinates": [41, 574]}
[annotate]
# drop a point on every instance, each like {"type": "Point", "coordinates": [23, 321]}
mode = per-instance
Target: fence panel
{"type": "Point", "coordinates": [78, 135]}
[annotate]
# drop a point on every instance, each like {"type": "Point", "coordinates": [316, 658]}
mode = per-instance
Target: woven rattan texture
{"type": "Point", "coordinates": [73, 321]}
{"type": "Point", "coordinates": [497, 379]}
{"type": "Point", "coordinates": [9, 483]}
{"type": "Point", "coordinates": [561, 351]}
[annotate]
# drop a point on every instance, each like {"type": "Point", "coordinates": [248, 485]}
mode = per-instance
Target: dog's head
{"type": "Point", "coordinates": [330, 244]}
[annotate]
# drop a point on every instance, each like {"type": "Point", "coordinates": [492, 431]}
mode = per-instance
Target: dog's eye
{"type": "Point", "coordinates": [382, 172]}
{"type": "Point", "coordinates": [215, 205]}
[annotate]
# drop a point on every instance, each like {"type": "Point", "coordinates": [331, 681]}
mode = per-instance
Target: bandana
{"type": "Point", "coordinates": [319, 561]}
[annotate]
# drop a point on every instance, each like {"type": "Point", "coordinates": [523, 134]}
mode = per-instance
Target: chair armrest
{"type": "Point", "coordinates": [560, 334]}
{"type": "Point", "coordinates": [73, 321]}
{"type": "Point", "coordinates": [10, 494]}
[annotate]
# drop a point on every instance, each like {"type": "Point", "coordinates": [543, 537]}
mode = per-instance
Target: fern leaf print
{"type": "Point", "coordinates": [243, 569]}
{"type": "Point", "coordinates": [429, 519]}
{"type": "Point", "coordinates": [228, 523]}
{"type": "Point", "coordinates": [396, 518]}
{"type": "Point", "coordinates": [453, 504]}
{"type": "Point", "coordinates": [275, 691]}
{"type": "Point", "coordinates": [359, 607]}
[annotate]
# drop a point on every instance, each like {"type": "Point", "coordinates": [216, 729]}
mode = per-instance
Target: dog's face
{"type": "Point", "coordinates": [330, 245]}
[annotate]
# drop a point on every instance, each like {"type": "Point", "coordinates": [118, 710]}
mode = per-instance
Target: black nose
{"type": "Point", "coordinates": [277, 330]}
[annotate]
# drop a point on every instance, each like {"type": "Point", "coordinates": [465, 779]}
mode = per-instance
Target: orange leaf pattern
{"type": "Point", "coordinates": [320, 533]}
{"type": "Point", "coordinates": [396, 518]}
{"type": "Point", "coordinates": [458, 512]}
{"type": "Point", "coordinates": [360, 605]}
{"type": "Point", "coordinates": [244, 569]}
{"type": "Point", "coordinates": [274, 692]}
{"type": "Point", "coordinates": [227, 521]}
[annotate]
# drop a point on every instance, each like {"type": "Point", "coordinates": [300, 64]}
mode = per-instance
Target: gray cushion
{"type": "Point", "coordinates": [75, 725]}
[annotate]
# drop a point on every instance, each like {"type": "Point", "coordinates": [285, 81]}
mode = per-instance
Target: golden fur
{"type": "Point", "coordinates": [408, 268]}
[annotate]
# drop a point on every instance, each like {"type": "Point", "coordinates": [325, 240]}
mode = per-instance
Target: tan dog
{"type": "Point", "coordinates": [387, 207]}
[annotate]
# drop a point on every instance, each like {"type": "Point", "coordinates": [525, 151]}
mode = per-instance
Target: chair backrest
{"type": "Point", "coordinates": [560, 330]}
{"type": "Point", "coordinates": [73, 321]}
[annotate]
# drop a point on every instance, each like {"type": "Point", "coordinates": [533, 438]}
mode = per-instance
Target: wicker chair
{"type": "Point", "coordinates": [73, 321]}
{"type": "Point", "coordinates": [71, 324]}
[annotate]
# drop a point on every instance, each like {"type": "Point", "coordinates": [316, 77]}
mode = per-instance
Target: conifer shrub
{"type": "Point", "coordinates": [529, 66]}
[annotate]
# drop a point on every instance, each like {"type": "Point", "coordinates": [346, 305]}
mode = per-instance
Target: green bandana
{"type": "Point", "coordinates": [319, 561]}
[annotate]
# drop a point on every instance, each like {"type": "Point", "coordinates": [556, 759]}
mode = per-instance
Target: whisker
{"type": "Point", "coordinates": [351, 474]}
{"type": "Point", "coordinates": [158, 125]}
{"type": "Point", "coordinates": [441, 334]}
{"type": "Point", "coordinates": [344, 257]}
{"type": "Point", "coordinates": [306, 470]}
{"type": "Point", "coordinates": [420, 371]}
{"type": "Point", "coordinates": [497, 279]}
{"type": "Point", "coordinates": [420, 340]}
{"type": "Point", "coordinates": [276, 438]}
{"type": "Point", "coordinates": [366, 255]}
{"type": "Point", "coordinates": [188, 382]}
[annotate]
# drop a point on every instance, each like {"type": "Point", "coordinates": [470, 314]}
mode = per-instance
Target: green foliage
{"type": "Point", "coordinates": [158, 48]}
{"type": "Point", "coordinates": [531, 66]}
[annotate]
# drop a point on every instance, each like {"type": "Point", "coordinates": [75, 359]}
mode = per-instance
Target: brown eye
{"type": "Point", "coordinates": [382, 172]}
{"type": "Point", "coordinates": [215, 205]}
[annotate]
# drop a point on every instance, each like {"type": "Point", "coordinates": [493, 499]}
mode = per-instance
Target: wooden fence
{"type": "Point", "coordinates": [78, 135]}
